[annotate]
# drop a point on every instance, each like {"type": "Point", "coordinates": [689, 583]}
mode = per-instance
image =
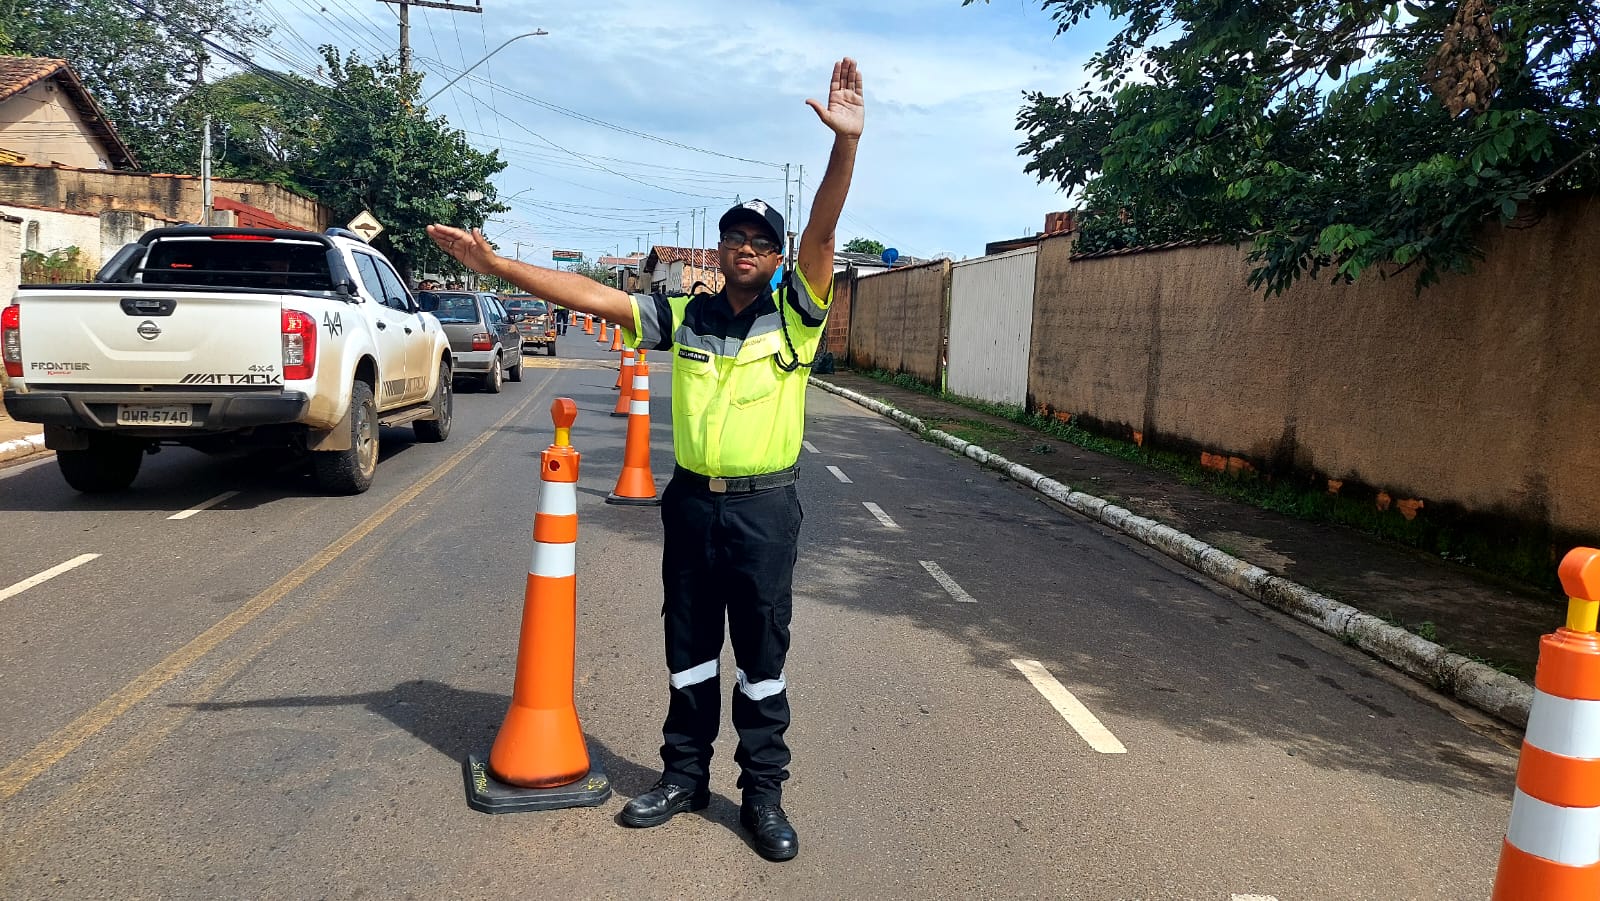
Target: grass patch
{"type": "Point", "coordinates": [973, 430]}
{"type": "Point", "coordinates": [1527, 560]}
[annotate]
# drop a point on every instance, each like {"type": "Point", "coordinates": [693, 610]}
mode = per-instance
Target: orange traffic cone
{"type": "Point", "coordinates": [588, 324]}
{"type": "Point", "coordinates": [539, 760]}
{"type": "Point", "coordinates": [1551, 851]}
{"type": "Point", "coordinates": [616, 337]}
{"type": "Point", "coordinates": [636, 486]}
{"type": "Point", "coordinates": [601, 338]}
{"type": "Point", "coordinates": [624, 382]}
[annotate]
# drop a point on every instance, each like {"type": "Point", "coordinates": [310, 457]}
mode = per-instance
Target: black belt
{"type": "Point", "coordinates": [738, 484]}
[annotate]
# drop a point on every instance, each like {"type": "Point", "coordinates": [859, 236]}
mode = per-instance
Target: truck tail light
{"type": "Point", "coordinates": [299, 345]}
{"type": "Point", "coordinates": [11, 340]}
{"type": "Point", "coordinates": [483, 341]}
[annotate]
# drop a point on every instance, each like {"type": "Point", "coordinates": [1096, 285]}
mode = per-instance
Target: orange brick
{"type": "Point", "coordinates": [1334, 485]}
{"type": "Point", "coordinates": [1409, 508]}
{"type": "Point", "coordinates": [1237, 465]}
{"type": "Point", "coordinates": [1215, 462]}
{"type": "Point", "coordinates": [1384, 500]}
{"type": "Point", "coordinates": [1138, 438]}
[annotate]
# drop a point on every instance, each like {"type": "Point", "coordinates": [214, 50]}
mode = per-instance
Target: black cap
{"type": "Point", "coordinates": [754, 211]}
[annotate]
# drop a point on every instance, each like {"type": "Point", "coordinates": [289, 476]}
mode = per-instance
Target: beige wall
{"type": "Point", "coordinates": [41, 124]}
{"type": "Point", "coordinates": [172, 198]}
{"type": "Point", "coordinates": [10, 257]}
{"type": "Point", "coordinates": [897, 320]}
{"type": "Point", "coordinates": [1482, 395]}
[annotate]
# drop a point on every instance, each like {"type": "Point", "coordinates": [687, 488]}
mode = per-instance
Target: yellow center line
{"type": "Point", "coordinates": [72, 736]}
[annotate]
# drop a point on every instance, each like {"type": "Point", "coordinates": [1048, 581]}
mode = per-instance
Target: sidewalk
{"type": "Point", "coordinates": [1461, 609]}
{"type": "Point", "coordinates": [19, 440]}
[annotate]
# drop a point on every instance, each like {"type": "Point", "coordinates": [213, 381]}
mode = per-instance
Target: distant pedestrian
{"type": "Point", "coordinates": [562, 315]}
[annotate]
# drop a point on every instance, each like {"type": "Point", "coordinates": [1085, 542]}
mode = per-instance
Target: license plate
{"type": "Point", "coordinates": [147, 414]}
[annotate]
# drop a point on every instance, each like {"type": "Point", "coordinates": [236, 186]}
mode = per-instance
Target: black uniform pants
{"type": "Point", "coordinates": [561, 321]}
{"type": "Point", "coordinates": [728, 556]}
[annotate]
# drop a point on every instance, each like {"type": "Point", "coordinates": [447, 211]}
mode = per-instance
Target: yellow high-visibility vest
{"type": "Point", "coordinates": [737, 407]}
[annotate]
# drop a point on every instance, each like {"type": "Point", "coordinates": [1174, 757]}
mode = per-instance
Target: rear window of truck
{"type": "Point", "coordinates": [226, 263]}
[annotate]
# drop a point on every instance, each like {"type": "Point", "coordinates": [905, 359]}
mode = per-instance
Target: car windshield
{"type": "Point", "coordinates": [449, 307]}
{"type": "Point", "coordinates": [529, 305]}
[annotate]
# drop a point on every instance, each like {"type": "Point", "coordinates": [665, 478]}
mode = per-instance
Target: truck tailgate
{"type": "Point", "coordinates": [133, 335]}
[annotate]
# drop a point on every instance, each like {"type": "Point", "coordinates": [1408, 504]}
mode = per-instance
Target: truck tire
{"type": "Point", "coordinates": [444, 405]}
{"type": "Point", "coordinates": [492, 381]}
{"type": "Point", "coordinates": [108, 464]}
{"type": "Point", "coordinates": [514, 372]}
{"type": "Point", "coordinates": [550, 349]}
{"type": "Point", "coordinates": [350, 471]}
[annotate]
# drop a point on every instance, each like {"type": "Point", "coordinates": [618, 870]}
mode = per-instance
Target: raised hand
{"type": "Point", "coordinates": [470, 248]}
{"type": "Point", "coordinates": [845, 112]}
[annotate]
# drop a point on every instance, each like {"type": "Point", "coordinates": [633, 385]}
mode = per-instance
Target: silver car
{"type": "Point", "coordinates": [483, 336]}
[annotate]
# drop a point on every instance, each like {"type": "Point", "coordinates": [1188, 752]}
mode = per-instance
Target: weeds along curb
{"type": "Point", "coordinates": [1483, 687]}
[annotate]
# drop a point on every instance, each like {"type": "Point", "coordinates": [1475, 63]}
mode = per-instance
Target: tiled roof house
{"type": "Point", "coordinates": [48, 118]}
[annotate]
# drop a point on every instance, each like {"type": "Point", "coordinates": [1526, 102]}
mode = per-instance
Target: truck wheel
{"type": "Point", "coordinates": [350, 471]}
{"type": "Point", "coordinates": [492, 381]}
{"type": "Point", "coordinates": [444, 405]}
{"type": "Point", "coordinates": [108, 464]}
{"type": "Point", "coordinates": [514, 373]}
{"type": "Point", "coordinates": [550, 349]}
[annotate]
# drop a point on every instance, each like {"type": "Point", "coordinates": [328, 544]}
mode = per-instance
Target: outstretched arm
{"type": "Point", "coordinates": [567, 289]}
{"type": "Point", "coordinates": [845, 114]}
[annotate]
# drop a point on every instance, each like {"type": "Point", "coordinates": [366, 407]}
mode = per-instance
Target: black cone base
{"type": "Point", "coordinates": [614, 498]}
{"type": "Point", "coordinates": [487, 794]}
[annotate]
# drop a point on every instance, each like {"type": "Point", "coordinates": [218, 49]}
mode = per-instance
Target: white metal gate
{"type": "Point", "coordinates": [991, 325]}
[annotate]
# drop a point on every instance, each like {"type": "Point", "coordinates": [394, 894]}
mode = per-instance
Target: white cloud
{"type": "Point", "coordinates": [938, 168]}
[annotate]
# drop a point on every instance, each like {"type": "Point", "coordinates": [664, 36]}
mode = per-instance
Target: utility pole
{"type": "Point", "coordinates": [405, 23]}
{"type": "Point", "coordinates": [800, 199]}
{"type": "Point", "coordinates": [206, 202]}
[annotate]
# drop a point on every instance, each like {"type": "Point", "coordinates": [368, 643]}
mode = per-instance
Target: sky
{"type": "Point", "coordinates": [588, 115]}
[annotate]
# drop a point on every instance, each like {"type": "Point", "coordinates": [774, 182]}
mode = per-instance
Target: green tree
{"type": "Point", "coordinates": [359, 144]}
{"type": "Point", "coordinates": [1342, 135]}
{"type": "Point", "coordinates": [590, 270]}
{"type": "Point", "coordinates": [863, 245]}
{"type": "Point", "coordinates": [140, 59]}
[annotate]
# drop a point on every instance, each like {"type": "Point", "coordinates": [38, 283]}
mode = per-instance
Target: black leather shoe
{"type": "Point", "coordinates": [775, 839]}
{"type": "Point", "coordinates": [662, 802]}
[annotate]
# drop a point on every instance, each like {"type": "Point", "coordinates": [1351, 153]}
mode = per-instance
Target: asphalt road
{"type": "Point", "coordinates": [272, 697]}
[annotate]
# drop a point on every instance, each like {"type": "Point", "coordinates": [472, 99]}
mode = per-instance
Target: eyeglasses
{"type": "Point", "coordinates": [733, 240]}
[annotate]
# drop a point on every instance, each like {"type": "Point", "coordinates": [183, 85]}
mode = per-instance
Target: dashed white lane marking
{"type": "Point", "coordinates": [839, 474]}
{"type": "Point", "coordinates": [1254, 898]}
{"type": "Point", "coordinates": [956, 591]}
{"type": "Point", "coordinates": [877, 511]}
{"type": "Point", "coordinates": [1071, 709]}
{"type": "Point", "coordinates": [46, 576]}
{"type": "Point", "coordinates": [203, 505]}
{"type": "Point", "coordinates": [810, 447]}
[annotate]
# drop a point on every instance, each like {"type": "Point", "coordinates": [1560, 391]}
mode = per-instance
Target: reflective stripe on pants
{"type": "Point", "coordinates": [728, 557]}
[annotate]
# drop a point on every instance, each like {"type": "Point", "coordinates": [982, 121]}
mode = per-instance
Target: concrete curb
{"type": "Point", "coordinates": [1483, 687]}
{"type": "Point", "coordinates": [20, 449]}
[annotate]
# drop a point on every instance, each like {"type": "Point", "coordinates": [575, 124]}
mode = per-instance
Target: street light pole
{"type": "Point", "coordinates": [480, 62]}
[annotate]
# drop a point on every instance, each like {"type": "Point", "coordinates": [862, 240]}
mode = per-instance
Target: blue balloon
{"type": "Point", "coordinates": [890, 255]}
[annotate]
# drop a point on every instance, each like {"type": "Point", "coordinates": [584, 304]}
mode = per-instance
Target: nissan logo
{"type": "Point", "coordinates": [149, 331]}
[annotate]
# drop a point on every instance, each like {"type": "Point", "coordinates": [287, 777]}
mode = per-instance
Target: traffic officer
{"type": "Point", "coordinates": [731, 514]}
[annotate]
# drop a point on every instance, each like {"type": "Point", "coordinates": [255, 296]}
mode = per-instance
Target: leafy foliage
{"type": "Point", "coordinates": [864, 245]}
{"type": "Point", "coordinates": [1342, 135]}
{"type": "Point", "coordinates": [359, 144]}
{"type": "Point", "coordinates": [141, 69]}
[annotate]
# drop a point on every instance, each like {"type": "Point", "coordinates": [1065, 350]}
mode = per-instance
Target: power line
{"type": "Point", "coordinates": [582, 117]}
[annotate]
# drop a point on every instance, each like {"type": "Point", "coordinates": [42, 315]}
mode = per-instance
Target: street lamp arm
{"type": "Point", "coordinates": [480, 62]}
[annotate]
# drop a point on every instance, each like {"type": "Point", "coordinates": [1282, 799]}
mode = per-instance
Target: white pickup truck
{"type": "Point", "coordinates": [207, 336]}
